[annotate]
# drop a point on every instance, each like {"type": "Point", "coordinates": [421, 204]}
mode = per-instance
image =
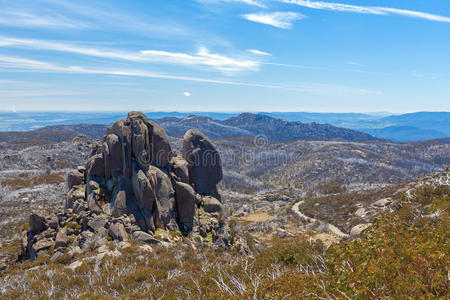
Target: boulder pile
{"type": "Point", "coordinates": [134, 186]}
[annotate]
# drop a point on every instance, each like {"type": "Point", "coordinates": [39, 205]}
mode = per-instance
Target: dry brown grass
{"type": "Point", "coordinates": [25, 181]}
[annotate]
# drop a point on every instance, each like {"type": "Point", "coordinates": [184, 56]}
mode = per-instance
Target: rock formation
{"type": "Point", "coordinates": [134, 184]}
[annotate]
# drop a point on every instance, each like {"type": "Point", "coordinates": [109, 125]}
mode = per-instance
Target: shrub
{"type": "Point", "coordinates": [332, 188]}
{"type": "Point", "coordinates": [395, 260]}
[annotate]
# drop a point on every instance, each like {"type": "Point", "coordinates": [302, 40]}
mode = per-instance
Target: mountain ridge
{"type": "Point", "coordinates": [381, 125]}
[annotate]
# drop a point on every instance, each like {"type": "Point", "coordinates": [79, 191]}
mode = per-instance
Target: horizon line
{"type": "Point", "coordinates": [219, 111]}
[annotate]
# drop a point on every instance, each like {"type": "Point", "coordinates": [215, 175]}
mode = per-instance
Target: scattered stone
{"type": "Point", "coordinates": [361, 212]}
{"type": "Point", "coordinates": [123, 245]}
{"type": "Point", "coordinates": [52, 221]}
{"type": "Point", "coordinates": [56, 256]}
{"type": "Point", "coordinates": [75, 250]}
{"type": "Point", "coordinates": [62, 240]}
{"type": "Point", "coordinates": [99, 257]}
{"type": "Point", "coordinates": [117, 232]}
{"type": "Point", "coordinates": [74, 265]}
{"type": "Point", "coordinates": [75, 177]}
{"type": "Point", "coordinates": [97, 223]}
{"type": "Point", "coordinates": [185, 199]}
{"type": "Point", "coordinates": [132, 228]}
{"type": "Point", "coordinates": [162, 235]}
{"type": "Point", "coordinates": [358, 229]}
{"type": "Point", "coordinates": [102, 233]}
{"type": "Point", "coordinates": [382, 202]}
{"type": "Point", "coordinates": [144, 237]}
{"type": "Point", "coordinates": [37, 223]}
{"type": "Point", "coordinates": [212, 205]}
{"type": "Point", "coordinates": [146, 248]}
{"type": "Point", "coordinates": [102, 249]}
{"type": "Point", "coordinates": [93, 204]}
{"type": "Point", "coordinates": [39, 246]}
{"type": "Point", "coordinates": [79, 206]}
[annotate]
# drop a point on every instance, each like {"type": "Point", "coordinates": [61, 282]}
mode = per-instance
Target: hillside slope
{"type": "Point", "coordinates": [282, 130]}
{"type": "Point", "coordinates": [405, 133]}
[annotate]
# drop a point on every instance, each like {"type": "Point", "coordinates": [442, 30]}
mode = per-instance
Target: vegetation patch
{"type": "Point", "coordinates": [23, 181]}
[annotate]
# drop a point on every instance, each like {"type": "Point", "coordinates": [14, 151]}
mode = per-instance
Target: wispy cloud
{"type": "Point", "coordinates": [354, 63]}
{"type": "Point", "coordinates": [24, 18]}
{"type": "Point", "coordinates": [33, 93]}
{"type": "Point", "coordinates": [422, 75]}
{"type": "Point", "coordinates": [203, 57]}
{"type": "Point", "coordinates": [414, 14]}
{"type": "Point", "coordinates": [23, 64]}
{"type": "Point", "coordinates": [76, 15]}
{"type": "Point", "coordinates": [277, 19]}
{"type": "Point", "coordinates": [249, 2]}
{"type": "Point", "coordinates": [322, 68]}
{"type": "Point", "coordinates": [373, 10]}
{"type": "Point", "coordinates": [259, 52]}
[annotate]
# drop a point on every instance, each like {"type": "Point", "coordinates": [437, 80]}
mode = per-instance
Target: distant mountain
{"type": "Point", "coordinates": [409, 127]}
{"type": "Point", "coordinates": [281, 130]}
{"type": "Point", "coordinates": [336, 119]}
{"type": "Point", "coordinates": [405, 133]}
{"type": "Point", "coordinates": [53, 134]}
{"type": "Point", "coordinates": [439, 121]}
{"type": "Point", "coordinates": [406, 128]}
{"type": "Point", "coordinates": [24, 121]}
{"type": "Point", "coordinates": [248, 124]}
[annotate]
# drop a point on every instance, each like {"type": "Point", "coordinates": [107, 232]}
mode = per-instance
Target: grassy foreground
{"type": "Point", "coordinates": [404, 255]}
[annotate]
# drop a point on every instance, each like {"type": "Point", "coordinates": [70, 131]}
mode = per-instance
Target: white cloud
{"type": "Point", "coordinates": [414, 14]}
{"type": "Point", "coordinates": [29, 19]}
{"type": "Point", "coordinates": [203, 57]}
{"type": "Point", "coordinates": [67, 47]}
{"type": "Point", "coordinates": [354, 63]}
{"type": "Point", "coordinates": [304, 67]}
{"type": "Point", "coordinates": [277, 19]}
{"type": "Point", "coordinates": [333, 6]}
{"type": "Point", "coordinates": [76, 15]}
{"type": "Point", "coordinates": [373, 10]}
{"type": "Point", "coordinates": [259, 52]}
{"type": "Point", "coordinates": [12, 64]}
{"type": "Point", "coordinates": [187, 94]}
{"type": "Point", "coordinates": [249, 2]}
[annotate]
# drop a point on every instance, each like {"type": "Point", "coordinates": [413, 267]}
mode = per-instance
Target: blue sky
{"type": "Point", "coordinates": [225, 55]}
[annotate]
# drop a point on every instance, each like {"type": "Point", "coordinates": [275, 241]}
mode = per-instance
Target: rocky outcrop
{"type": "Point", "coordinates": [135, 187]}
{"type": "Point", "coordinates": [204, 163]}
